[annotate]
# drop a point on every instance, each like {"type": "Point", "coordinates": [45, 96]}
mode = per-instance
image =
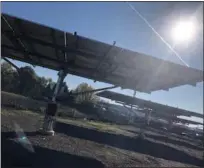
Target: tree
{"type": "Point", "coordinates": [29, 82]}
{"type": "Point", "coordinates": [9, 77]}
{"type": "Point", "coordinates": [86, 97]}
{"type": "Point", "coordinates": [26, 82]}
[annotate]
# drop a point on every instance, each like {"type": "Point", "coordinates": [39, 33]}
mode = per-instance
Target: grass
{"type": "Point", "coordinates": [100, 126]}
{"type": "Point", "coordinates": [13, 112]}
{"type": "Point", "coordinates": [65, 114]}
{"type": "Point", "coordinates": [105, 127]}
{"type": "Point", "coordinates": [6, 112]}
{"type": "Point", "coordinates": [85, 123]}
{"type": "Point", "coordinates": [25, 103]}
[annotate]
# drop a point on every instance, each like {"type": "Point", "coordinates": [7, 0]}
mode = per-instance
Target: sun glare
{"type": "Point", "coordinates": [183, 31]}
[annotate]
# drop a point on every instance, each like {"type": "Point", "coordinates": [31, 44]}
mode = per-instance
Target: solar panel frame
{"type": "Point", "coordinates": [141, 103]}
{"type": "Point", "coordinates": [91, 59]}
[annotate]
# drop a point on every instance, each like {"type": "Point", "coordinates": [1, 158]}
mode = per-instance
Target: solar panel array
{"type": "Point", "coordinates": [47, 47]}
{"type": "Point", "coordinates": [158, 108]}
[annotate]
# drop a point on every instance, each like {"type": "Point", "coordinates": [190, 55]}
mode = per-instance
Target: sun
{"type": "Point", "coordinates": [183, 31]}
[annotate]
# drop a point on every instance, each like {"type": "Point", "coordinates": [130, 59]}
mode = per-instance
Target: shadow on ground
{"type": "Point", "coordinates": [53, 158]}
{"type": "Point", "coordinates": [172, 141]}
{"type": "Point", "coordinates": [15, 155]}
{"type": "Point", "coordinates": [124, 142]}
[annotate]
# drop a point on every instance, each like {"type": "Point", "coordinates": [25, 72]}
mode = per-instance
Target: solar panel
{"type": "Point", "coordinates": [44, 46]}
{"type": "Point", "coordinates": [188, 121]}
{"type": "Point", "coordinates": [158, 108]}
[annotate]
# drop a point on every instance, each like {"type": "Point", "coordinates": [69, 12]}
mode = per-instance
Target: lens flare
{"type": "Point", "coordinates": [183, 31]}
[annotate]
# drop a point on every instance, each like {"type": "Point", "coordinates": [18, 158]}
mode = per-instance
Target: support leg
{"type": "Point", "coordinates": [51, 109]}
{"type": "Point", "coordinates": [170, 124]}
{"type": "Point", "coordinates": [134, 94]}
{"type": "Point", "coordinates": [148, 117]}
{"type": "Point", "coordinates": [146, 123]}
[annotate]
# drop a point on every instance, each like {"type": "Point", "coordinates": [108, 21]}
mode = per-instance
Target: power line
{"type": "Point", "coordinates": [158, 35]}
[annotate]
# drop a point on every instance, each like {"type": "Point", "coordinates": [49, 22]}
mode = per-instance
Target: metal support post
{"type": "Point", "coordinates": [170, 124]}
{"type": "Point", "coordinates": [134, 94]}
{"type": "Point", "coordinates": [61, 77]}
{"type": "Point", "coordinates": [51, 109]}
{"type": "Point", "coordinates": [148, 117]}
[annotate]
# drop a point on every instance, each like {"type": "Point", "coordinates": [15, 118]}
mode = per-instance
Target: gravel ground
{"type": "Point", "coordinates": [80, 146]}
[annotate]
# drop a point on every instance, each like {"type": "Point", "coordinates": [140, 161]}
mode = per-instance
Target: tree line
{"type": "Point", "coordinates": [26, 82]}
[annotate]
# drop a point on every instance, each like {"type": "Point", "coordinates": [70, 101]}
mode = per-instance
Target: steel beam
{"type": "Point", "coordinates": [54, 42]}
{"type": "Point", "coordinates": [65, 46]}
{"type": "Point", "coordinates": [64, 97]}
{"type": "Point", "coordinates": [12, 64]}
{"type": "Point", "coordinates": [96, 90]}
{"type": "Point", "coordinates": [76, 44]}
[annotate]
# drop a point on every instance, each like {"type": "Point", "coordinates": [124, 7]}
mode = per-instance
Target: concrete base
{"type": "Point", "coordinates": [48, 125]}
{"type": "Point", "coordinates": [141, 135]}
{"type": "Point", "coordinates": [44, 132]}
{"type": "Point", "coordinates": [49, 119]}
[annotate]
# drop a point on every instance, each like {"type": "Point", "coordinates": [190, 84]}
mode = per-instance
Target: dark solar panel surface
{"type": "Point", "coordinates": [44, 46]}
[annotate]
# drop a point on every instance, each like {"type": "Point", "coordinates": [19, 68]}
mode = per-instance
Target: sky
{"type": "Point", "coordinates": [116, 21]}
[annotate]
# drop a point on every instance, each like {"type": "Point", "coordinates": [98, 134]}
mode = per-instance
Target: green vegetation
{"type": "Point", "coordinates": [87, 97]}
{"type": "Point", "coordinates": [24, 81]}
{"type": "Point", "coordinates": [22, 103]}
{"type": "Point", "coordinates": [84, 123]}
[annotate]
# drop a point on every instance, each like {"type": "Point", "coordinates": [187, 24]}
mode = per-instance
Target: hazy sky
{"type": "Point", "coordinates": [116, 21]}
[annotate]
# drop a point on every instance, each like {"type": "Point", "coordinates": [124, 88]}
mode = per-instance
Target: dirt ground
{"type": "Point", "coordinates": [79, 143]}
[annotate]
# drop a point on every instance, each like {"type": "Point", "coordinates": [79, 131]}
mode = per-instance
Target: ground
{"type": "Point", "coordinates": [82, 143]}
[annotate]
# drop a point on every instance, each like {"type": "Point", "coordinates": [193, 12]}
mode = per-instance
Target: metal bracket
{"type": "Point", "coordinates": [65, 45]}
{"type": "Point", "coordinates": [53, 34]}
